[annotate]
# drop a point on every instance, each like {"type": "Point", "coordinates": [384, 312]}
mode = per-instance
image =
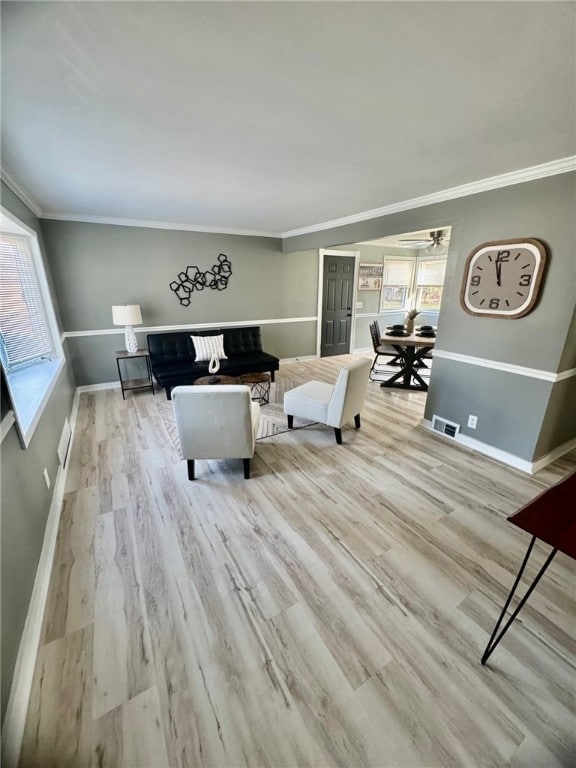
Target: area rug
{"type": "Point", "coordinates": [272, 417]}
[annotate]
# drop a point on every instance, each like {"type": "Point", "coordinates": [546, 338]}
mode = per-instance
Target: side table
{"type": "Point", "coordinates": [259, 384]}
{"type": "Point", "coordinates": [127, 384]}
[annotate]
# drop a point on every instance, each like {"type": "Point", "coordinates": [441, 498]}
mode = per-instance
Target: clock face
{"type": "Point", "coordinates": [502, 279]}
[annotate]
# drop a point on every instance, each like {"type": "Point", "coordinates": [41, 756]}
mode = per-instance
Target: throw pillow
{"type": "Point", "coordinates": [206, 346]}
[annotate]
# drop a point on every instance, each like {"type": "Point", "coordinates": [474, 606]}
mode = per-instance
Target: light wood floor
{"type": "Point", "coordinates": [330, 611]}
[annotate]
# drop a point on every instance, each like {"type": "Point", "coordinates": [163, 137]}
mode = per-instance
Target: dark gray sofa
{"type": "Point", "coordinates": [173, 357]}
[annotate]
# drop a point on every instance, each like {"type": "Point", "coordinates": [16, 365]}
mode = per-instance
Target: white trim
{"type": "Point", "coordinates": [190, 326]}
{"type": "Point", "coordinates": [557, 453]}
{"type": "Point", "coordinates": [553, 168]}
{"type": "Point", "coordinates": [6, 424]}
{"type": "Point", "coordinates": [20, 192]}
{"type": "Point", "coordinates": [17, 708]}
{"type": "Point", "coordinates": [97, 387]}
{"type": "Point", "coordinates": [118, 222]}
{"type": "Point", "coordinates": [520, 370]}
{"type": "Point", "coordinates": [567, 374]}
{"type": "Point", "coordinates": [531, 467]}
{"type": "Point", "coordinates": [334, 252]}
{"type": "Point", "coordinates": [27, 433]}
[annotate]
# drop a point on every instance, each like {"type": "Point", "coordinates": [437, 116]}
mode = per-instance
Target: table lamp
{"type": "Point", "coordinates": [128, 315]}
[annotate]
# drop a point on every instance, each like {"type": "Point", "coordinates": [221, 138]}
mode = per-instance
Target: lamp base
{"type": "Point", "coordinates": [130, 339]}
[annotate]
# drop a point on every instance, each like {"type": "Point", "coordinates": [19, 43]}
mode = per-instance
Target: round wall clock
{"type": "Point", "coordinates": [503, 278]}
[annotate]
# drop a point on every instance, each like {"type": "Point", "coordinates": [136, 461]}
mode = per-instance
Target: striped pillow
{"type": "Point", "coordinates": [206, 346]}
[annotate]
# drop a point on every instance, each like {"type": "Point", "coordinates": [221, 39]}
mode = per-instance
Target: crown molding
{"type": "Point", "coordinates": [565, 165]}
{"type": "Point", "coordinates": [117, 222]}
{"type": "Point", "coordinates": [19, 191]}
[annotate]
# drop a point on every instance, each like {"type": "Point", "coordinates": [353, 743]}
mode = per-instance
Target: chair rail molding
{"type": "Point", "coordinates": [497, 365]}
{"type": "Point", "coordinates": [189, 326]}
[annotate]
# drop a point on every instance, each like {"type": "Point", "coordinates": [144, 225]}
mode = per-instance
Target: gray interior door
{"type": "Point", "coordinates": [337, 296]}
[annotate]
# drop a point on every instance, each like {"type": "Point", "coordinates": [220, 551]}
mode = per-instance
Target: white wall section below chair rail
{"type": "Point", "coordinates": [520, 370]}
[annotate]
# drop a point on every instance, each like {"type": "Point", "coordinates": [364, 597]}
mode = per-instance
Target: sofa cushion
{"type": "Point", "coordinates": [209, 346]}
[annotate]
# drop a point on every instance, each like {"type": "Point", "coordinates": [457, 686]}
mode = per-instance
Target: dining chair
{"type": "Point", "coordinates": [381, 350]}
{"type": "Point", "coordinates": [331, 404]}
{"type": "Point", "coordinates": [216, 421]}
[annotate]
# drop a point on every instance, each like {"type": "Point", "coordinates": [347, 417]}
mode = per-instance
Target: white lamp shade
{"type": "Point", "coordinates": [127, 314]}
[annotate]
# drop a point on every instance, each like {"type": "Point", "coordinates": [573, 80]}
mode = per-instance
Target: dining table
{"type": "Point", "coordinates": [412, 351]}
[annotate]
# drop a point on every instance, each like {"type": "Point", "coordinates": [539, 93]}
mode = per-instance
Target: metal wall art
{"type": "Point", "coordinates": [195, 280]}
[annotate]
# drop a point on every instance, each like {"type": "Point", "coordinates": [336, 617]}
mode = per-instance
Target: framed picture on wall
{"type": "Point", "coordinates": [370, 277]}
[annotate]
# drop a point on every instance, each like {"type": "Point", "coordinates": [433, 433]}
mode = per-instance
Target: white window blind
{"type": "Point", "coordinates": [23, 321]}
{"type": "Point", "coordinates": [398, 271]}
{"type": "Point", "coordinates": [431, 272]}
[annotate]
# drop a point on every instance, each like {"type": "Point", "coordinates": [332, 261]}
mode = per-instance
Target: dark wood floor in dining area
{"type": "Point", "coordinates": [330, 611]}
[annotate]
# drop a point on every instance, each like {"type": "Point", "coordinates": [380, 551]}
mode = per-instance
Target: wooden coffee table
{"type": "Point", "coordinates": [217, 379]}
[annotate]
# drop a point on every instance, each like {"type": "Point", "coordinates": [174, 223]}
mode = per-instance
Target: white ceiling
{"type": "Point", "coordinates": [273, 116]}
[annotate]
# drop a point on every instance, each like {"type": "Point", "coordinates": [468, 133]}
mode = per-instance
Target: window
{"type": "Point", "coordinates": [398, 275]}
{"type": "Point", "coordinates": [412, 282]}
{"type": "Point", "coordinates": [24, 330]}
{"type": "Point", "coordinates": [429, 282]}
{"type": "Point", "coordinates": [30, 350]}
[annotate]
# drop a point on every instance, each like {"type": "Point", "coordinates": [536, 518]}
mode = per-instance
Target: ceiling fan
{"type": "Point", "coordinates": [434, 244]}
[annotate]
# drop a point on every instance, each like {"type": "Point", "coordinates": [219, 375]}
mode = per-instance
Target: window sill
{"type": "Point", "coordinates": [30, 390]}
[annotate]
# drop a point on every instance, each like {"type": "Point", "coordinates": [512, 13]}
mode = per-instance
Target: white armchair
{"type": "Point", "coordinates": [331, 405]}
{"type": "Point", "coordinates": [216, 422]}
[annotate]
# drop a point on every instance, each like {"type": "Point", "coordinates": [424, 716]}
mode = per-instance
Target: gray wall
{"type": "Point", "coordinates": [95, 266]}
{"type": "Point", "coordinates": [543, 339]}
{"type": "Point", "coordinates": [25, 500]}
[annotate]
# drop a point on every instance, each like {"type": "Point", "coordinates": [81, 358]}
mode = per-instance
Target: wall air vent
{"type": "Point", "coordinates": [64, 443]}
{"type": "Point", "coordinates": [445, 427]}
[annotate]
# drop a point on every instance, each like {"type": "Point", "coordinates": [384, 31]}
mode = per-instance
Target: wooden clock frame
{"type": "Point", "coordinates": [536, 283]}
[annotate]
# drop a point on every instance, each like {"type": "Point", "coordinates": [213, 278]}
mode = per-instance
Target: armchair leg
{"type": "Point", "coordinates": [246, 469]}
{"type": "Point", "coordinates": [290, 421]}
{"type": "Point", "coordinates": [190, 463]}
{"type": "Point", "coordinates": [357, 421]}
{"type": "Point", "coordinates": [272, 375]}
{"type": "Point", "coordinates": [168, 393]}
{"type": "Point", "coordinates": [338, 433]}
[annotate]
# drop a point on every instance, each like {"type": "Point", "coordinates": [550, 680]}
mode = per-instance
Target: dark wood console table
{"type": "Point", "coordinates": [551, 517]}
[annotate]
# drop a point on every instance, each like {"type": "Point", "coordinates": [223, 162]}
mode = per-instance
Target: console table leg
{"type": "Point", "coordinates": [493, 642]}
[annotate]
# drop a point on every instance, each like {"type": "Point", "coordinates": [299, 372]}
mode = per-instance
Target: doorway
{"type": "Point", "coordinates": [336, 300]}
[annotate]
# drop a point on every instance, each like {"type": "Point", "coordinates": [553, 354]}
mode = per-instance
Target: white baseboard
{"type": "Point", "coordinates": [17, 708]}
{"type": "Point", "coordinates": [557, 453]}
{"type": "Point", "coordinates": [94, 387]}
{"type": "Point", "coordinates": [530, 467]}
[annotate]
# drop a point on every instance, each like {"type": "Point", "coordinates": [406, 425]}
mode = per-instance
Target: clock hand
{"type": "Point", "coordinates": [498, 272]}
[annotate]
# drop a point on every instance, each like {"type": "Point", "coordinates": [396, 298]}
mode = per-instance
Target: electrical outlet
{"type": "Point", "coordinates": [359, 305]}
{"type": "Point", "coordinates": [46, 477]}
{"type": "Point", "coordinates": [472, 421]}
